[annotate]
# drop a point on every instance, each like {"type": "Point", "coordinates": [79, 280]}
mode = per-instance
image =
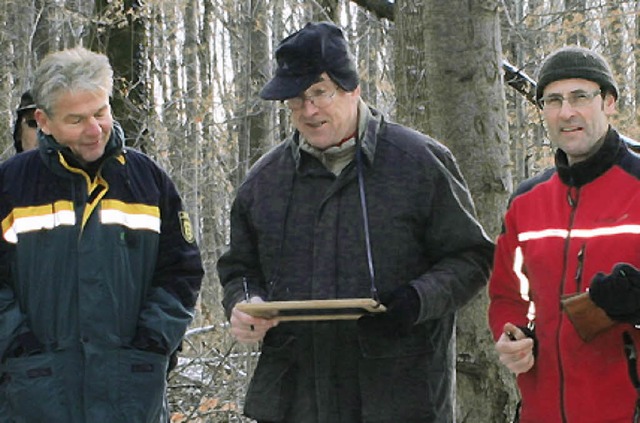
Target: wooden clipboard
{"type": "Point", "coordinates": [310, 310]}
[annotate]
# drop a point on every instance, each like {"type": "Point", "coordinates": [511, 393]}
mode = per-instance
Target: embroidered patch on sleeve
{"type": "Point", "coordinates": [186, 228]}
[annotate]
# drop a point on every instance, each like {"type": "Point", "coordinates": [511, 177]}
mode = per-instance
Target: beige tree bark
{"type": "Point", "coordinates": [367, 51]}
{"type": "Point", "coordinates": [636, 51]}
{"type": "Point", "coordinates": [6, 81]}
{"type": "Point", "coordinates": [618, 34]}
{"type": "Point", "coordinates": [215, 199]}
{"type": "Point", "coordinates": [44, 39]}
{"type": "Point", "coordinates": [448, 85]}
{"type": "Point", "coordinates": [173, 92]}
{"type": "Point", "coordinates": [278, 32]}
{"type": "Point", "coordinates": [572, 20]}
{"type": "Point", "coordinates": [192, 140]}
{"type": "Point", "coordinates": [241, 49]}
{"type": "Point", "coordinates": [259, 110]}
{"type": "Point", "coordinates": [326, 10]}
{"type": "Point", "coordinates": [119, 32]}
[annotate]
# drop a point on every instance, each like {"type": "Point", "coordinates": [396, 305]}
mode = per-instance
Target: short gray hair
{"type": "Point", "coordinates": [74, 69]}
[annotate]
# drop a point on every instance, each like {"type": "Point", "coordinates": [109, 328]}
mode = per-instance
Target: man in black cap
{"type": "Point", "coordinates": [350, 205]}
{"type": "Point", "coordinates": [25, 127]}
{"type": "Point", "coordinates": [571, 237]}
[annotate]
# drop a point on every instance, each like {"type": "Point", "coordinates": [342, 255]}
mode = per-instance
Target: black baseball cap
{"type": "Point", "coordinates": [303, 56]}
{"type": "Point", "coordinates": [26, 104]}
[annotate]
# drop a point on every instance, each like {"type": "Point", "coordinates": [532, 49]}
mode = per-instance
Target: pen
{"type": "Point", "coordinates": [247, 297]}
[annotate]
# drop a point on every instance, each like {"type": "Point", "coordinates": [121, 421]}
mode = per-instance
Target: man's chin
{"type": "Point", "coordinates": [89, 157]}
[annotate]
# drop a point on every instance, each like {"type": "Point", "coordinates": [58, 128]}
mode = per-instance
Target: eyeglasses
{"type": "Point", "coordinates": [31, 123]}
{"type": "Point", "coordinates": [319, 98]}
{"type": "Point", "coordinates": [576, 99]}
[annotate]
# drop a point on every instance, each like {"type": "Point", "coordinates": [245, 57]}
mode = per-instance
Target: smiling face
{"type": "Point", "coordinates": [80, 120]}
{"type": "Point", "coordinates": [578, 131]}
{"type": "Point", "coordinates": [326, 126]}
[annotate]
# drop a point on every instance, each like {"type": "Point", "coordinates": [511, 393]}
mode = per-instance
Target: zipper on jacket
{"type": "Point", "coordinates": [579, 267]}
{"type": "Point", "coordinates": [573, 197]}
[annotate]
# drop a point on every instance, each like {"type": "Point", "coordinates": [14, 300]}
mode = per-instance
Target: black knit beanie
{"type": "Point", "coordinates": [576, 62]}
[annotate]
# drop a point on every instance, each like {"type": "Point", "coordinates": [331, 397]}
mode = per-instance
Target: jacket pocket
{"type": "Point", "coordinates": [142, 384]}
{"type": "Point", "coordinates": [34, 389]}
{"type": "Point", "coordinates": [394, 377]}
{"type": "Point", "coordinates": [5, 411]}
{"type": "Point", "coordinates": [272, 386]}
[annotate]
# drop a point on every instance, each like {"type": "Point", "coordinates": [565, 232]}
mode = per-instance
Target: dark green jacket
{"type": "Point", "coordinates": [103, 273]}
{"type": "Point", "coordinates": [297, 233]}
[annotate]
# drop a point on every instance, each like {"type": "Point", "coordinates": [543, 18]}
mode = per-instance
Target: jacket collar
{"type": "Point", "coordinates": [593, 167]}
{"type": "Point", "coordinates": [369, 123]}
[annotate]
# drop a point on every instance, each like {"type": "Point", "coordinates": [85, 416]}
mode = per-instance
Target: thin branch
{"type": "Point", "coordinates": [520, 81]}
{"type": "Point", "coordinates": [383, 9]}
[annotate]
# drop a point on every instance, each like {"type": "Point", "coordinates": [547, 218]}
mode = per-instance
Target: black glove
{"type": "Point", "coordinates": [24, 345]}
{"type": "Point", "coordinates": [403, 308]}
{"type": "Point", "coordinates": [531, 333]}
{"type": "Point", "coordinates": [146, 342]}
{"type": "Point", "coordinates": [173, 358]}
{"type": "Point", "coordinates": [618, 293]}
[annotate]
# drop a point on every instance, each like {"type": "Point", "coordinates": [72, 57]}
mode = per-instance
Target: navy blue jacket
{"type": "Point", "coordinates": [102, 273]}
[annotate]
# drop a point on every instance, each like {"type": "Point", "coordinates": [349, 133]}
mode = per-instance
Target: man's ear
{"type": "Point", "coordinates": [609, 104]}
{"type": "Point", "coordinates": [43, 120]}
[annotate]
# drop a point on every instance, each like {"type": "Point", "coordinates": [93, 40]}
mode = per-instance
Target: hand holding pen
{"type": "Point", "coordinates": [247, 297]}
{"type": "Point", "coordinates": [515, 349]}
{"type": "Point", "coordinates": [245, 328]}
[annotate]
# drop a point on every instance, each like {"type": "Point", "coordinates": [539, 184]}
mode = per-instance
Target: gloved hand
{"type": "Point", "coordinates": [173, 358]}
{"type": "Point", "coordinates": [618, 293]}
{"type": "Point", "coordinates": [146, 342]}
{"type": "Point", "coordinates": [403, 308]}
{"type": "Point", "coordinates": [24, 345]}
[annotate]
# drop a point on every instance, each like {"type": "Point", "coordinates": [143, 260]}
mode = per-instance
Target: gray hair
{"type": "Point", "coordinates": [71, 70]}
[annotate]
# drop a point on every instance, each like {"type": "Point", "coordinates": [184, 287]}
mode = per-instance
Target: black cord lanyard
{"type": "Point", "coordinates": [365, 222]}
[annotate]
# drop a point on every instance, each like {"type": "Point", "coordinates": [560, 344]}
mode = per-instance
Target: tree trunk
{"type": "Point", "coordinates": [260, 140]}
{"type": "Point", "coordinates": [192, 141]}
{"type": "Point", "coordinates": [636, 50]}
{"type": "Point", "coordinates": [620, 57]}
{"type": "Point", "coordinates": [448, 85]}
{"type": "Point", "coordinates": [572, 19]}
{"type": "Point", "coordinates": [124, 45]}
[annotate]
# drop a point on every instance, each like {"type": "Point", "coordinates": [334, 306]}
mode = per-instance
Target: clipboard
{"type": "Point", "coordinates": [312, 310]}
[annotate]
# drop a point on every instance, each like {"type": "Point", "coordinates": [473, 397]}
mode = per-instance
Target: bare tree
{"type": "Point", "coordinates": [636, 50]}
{"type": "Point", "coordinates": [575, 11]}
{"type": "Point", "coordinates": [119, 32]}
{"type": "Point", "coordinates": [448, 85]}
{"type": "Point", "coordinates": [618, 35]}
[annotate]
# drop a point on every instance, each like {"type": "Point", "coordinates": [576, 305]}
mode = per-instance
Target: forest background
{"type": "Point", "coordinates": [187, 77]}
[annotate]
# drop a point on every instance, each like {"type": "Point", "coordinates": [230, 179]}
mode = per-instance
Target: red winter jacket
{"type": "Point", "coordinates": [561, 228]}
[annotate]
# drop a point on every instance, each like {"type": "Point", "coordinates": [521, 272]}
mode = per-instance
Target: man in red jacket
{"type": "Point", "coordinates": [574, 229]}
